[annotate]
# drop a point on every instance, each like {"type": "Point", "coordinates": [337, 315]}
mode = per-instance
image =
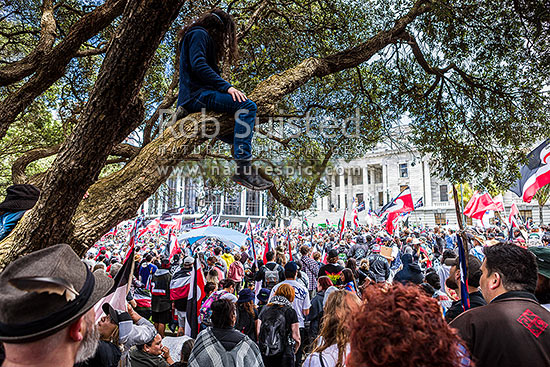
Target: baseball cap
{"type": "Point", "coordinates": [291, 266]}
{"type": "Point", "coordinates": [188, 261]}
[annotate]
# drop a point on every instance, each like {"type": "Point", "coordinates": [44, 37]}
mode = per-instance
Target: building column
{"type": "Point", "coordinates": [427, 185]}
{"type": "Point", "coordinates": [341, 173]}
{"type": "Point", "coordinates": [385, 183]}
{"type": "Point", "coordinates": [261, 205]}
{"type": "Point", "coordinates": [366, 186]}
{"type": "Point", "coordinates": [222, 203]}
{"type": "Point", "coordinates": [333, 194]}
{"type": "Point", "coordinates": [243, 202]}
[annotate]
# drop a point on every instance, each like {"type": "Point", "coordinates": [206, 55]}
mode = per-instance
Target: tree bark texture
{"type": "Point", "coordinates": [111, 113]}
{"type": "Point", "coordinates": [61, 215]}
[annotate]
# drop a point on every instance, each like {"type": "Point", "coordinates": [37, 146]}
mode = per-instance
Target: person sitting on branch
{"type": "Point", "coordinates": [204, 43]}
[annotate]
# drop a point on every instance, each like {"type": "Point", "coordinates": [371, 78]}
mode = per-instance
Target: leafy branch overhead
{"type": "Point", "coordinates": [471, 76]}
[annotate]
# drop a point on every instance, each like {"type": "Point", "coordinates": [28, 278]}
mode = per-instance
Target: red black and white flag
{"type": "Point", "coordinates": [342, 225]}
{"type": "Point", "coordinates": [194, 298]}
{"type": "Point", "coordinates": [512, 219]}
{"type": "Point", "coordinates": [116, 296]}
{"type": "Point", "coordinates": [535, 174]}
{"type": "Point", "coordinates": [180, 284]}
{"type": "Point", "coordinates": [400, 204]}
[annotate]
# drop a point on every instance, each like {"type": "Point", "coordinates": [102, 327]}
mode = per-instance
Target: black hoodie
{"type": "Point", "coordinates": [410, 272]}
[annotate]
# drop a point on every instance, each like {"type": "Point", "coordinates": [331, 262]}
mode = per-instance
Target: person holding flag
{"type": "Point", "coordinates": [179, 290]}
{"type": "Point", "coordinates": [465, 287]}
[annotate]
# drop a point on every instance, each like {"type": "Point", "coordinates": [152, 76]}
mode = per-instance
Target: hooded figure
{"type": "Point", "coordinates": [410, 272]}
{"type": "Point", "coordinates": [19, 199]}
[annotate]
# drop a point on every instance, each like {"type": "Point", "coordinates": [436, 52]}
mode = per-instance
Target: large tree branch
{"type": "Point", "coordinates": [52, 65]}
{"type": "Point", "coordinates": [277, 86]}
{"type": "Point", "coordinates": [169, 99]}
{"type": "Point", "coordinates": [141, 177]}
{"type": "Point", "coordinates": [18, 70]}
{"type": "Point", "coordinates": [18, 175]}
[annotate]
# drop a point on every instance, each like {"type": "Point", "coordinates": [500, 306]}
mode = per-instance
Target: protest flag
{"type": "Point", "coordinates": [116, 296]}
{"type": "Point", "coordinates": [196, 294]}
{"type": "Point", "coordinates": [343, 224]}
{"type": "Point", "coordinates": [464, 294]}
{"type": "Point", "coordinates": [535, 174]}
{"type": "Point", "coordinates": [478, 205]}
{"type": "Point", "coordinates": [401, 203]}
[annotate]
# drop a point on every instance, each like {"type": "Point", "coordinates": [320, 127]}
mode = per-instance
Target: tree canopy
{"type": "Point", "coordinates": [84, 84]}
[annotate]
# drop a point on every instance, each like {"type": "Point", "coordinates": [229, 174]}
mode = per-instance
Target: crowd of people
{"type": "Point", "coordinates": [369, 299]}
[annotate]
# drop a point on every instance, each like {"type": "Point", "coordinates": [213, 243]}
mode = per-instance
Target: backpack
{"type": "Point", "coordinates": [206, 312]}
{"type": "Point", "coordinates": [271, 277]}
{"type": "Point", "coordinates": [273, 338]}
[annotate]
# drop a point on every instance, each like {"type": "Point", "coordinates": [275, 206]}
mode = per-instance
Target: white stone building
{"type": "Point", "coordinates": [383, 173]}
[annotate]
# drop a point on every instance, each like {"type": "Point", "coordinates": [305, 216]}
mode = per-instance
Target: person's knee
{"type": "Point", "coordinates": [250, 106]}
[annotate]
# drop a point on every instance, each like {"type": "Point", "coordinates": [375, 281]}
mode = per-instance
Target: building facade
{"type": "Point", "coordinates": [381, 175]}
{"type": "Point", "coordinates": [190, 193]}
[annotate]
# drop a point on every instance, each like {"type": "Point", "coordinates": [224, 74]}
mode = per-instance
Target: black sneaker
{"type": "Point", "coordinates": [252, 181]}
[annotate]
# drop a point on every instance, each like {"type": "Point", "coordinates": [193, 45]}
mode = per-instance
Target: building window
{"type": "Point", "coordinates": [380, 198]}
{"type": "Point", "coordinates": [214, 201]}
{"type": "Point", "coordinates": [359, 198]}
{"type": "Point", "coordinates": [378, 177]}
{"type": "Point", "coordinates": [443, 194]}
{"type": "Point", "coordinates": [440, 219]}
{"type": "Point", "coordinates": [402, 187]}
{"type": "Point", "coordinates": [403, 170]}
{"type": "Point", "coordinates": [338, 201]}
{"type": "Point", "coordinates": [190, 195]}
{"type": "Point", "coordinates": [357, 176]}
{"type": "Point", "coordinates": [232, 204]}
{"type": "Point", "coordinates": [337, 181]}
{"type": "Point", "coordinates": [526, 215]}
{"type": "Point", "coordinates": [252, 202]}
{"type": "Point", "coordinates": [368, 177]}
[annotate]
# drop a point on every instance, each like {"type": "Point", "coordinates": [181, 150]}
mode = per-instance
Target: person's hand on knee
{"type": "Point", "coordinates": [237, 95]}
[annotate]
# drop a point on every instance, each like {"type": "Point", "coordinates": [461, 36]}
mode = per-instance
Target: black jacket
{"type": "Point", "coordinates": [476, 300]}
{"type": "Point", "coordinates": [411, 273]}
{"type": "Point", "coordinates": [315, 314]}
{"type": "Point", "coordinates": [380, 267]}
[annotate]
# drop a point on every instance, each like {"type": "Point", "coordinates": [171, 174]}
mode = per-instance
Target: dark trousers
{"type": "Point", "coordinates": [304, 342]}
{"type": "Point", "coordinates": [283, 360]}
{"type": "Point", "coordinates": [245, 118]}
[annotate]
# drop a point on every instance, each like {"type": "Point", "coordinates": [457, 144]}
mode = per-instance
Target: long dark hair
{"type": "Point", "coordinates": [221, 27]}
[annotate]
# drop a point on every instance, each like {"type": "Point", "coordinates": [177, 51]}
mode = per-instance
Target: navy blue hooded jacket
{"type": "Point", "coordinates": [198, 67]}
{"type": "Point", "coordinates": [410, 272]}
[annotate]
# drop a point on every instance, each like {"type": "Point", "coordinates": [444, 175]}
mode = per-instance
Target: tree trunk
{"type": "Point", "coordinates": [111, 113]}
{"type": "Point", "coordinates": [61, 216]}
{"type": "Point", "coordinates": [53, 63]}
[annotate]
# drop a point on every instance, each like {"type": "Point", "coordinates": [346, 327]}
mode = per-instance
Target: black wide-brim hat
{"type": "Point", "coordinates": [20, 197]}
{"type": "Point", "coordinates": [27, 315]}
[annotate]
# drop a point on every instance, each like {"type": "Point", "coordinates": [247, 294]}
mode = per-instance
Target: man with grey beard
{"type": "Point", "coordinates": [46, 309]}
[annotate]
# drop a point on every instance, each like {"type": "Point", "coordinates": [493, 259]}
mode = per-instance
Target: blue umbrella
{"type": "Point", "coordinates": [229, 237]}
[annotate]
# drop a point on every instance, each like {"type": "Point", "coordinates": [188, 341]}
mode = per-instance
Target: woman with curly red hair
{"type": "Point", "coordinates": [399, 326]}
